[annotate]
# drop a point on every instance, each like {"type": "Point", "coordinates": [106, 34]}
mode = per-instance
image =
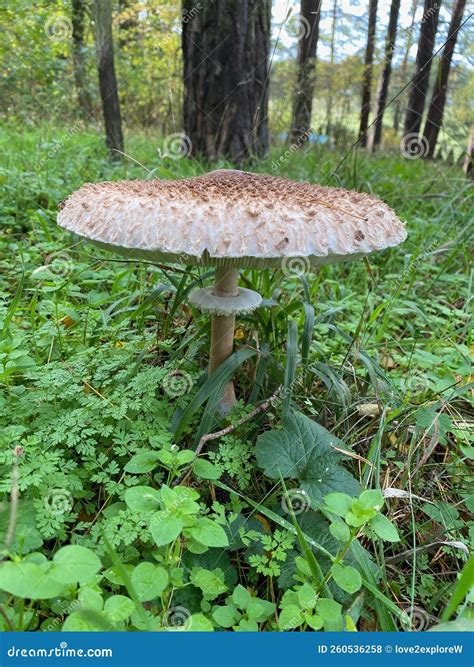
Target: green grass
{"type": "Point", "coordinates": [87, 339]}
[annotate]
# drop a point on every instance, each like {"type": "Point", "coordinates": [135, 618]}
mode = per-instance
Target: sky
{"type": "Point", "coordinates": [350, 8]}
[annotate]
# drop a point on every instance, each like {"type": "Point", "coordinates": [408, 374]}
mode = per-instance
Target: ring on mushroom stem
{"type": "Point", "coordinates": [230, 219]}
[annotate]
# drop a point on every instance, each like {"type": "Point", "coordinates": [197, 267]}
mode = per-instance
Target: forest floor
{"type": "Point", "coordinates": [385, 366]}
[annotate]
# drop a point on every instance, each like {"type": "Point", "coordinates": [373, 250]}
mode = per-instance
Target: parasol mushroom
{"type": "Point", "coordinates": [229, 219]}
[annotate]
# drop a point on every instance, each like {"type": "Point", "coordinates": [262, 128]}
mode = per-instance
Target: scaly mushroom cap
{"type": "Point", "coordinates": [231, 218]}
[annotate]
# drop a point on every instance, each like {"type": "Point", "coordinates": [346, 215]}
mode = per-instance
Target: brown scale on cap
{"type": "Point", "coordinates": [231, 218]}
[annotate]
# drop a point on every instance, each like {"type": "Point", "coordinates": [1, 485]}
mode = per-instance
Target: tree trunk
{"type": "Point", "coordinates": [331, 60]}
{"type": "Point", "coordinates": [382, 91]}
{"type": "Point", "coordinates": [107, 78]}
{"type": "Point", "coordinates": [225, 52]}
{"type": "Point", "coordinates": [79, 58]}
{"type": "Point", "coordinates": [308, 30]}
{"type": "Point", "coordinates": [404, 65]}
{"type": "Point", "coordinates": [367, 81]}
{"type": "Point", "coordinates": [434, 119]}
{"type": "Point", "coordinates": [419, 85]}
{"type": "Point", "coordinates": [468, 166]}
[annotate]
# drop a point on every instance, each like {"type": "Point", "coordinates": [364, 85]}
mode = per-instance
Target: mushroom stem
{"type": "Point", "coordinates": [222, 333]}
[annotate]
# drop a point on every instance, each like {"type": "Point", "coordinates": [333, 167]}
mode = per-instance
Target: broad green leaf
{"type": "Point", "coordinates": [340, 530]}
{"type": "Point", "coordinates": [241, 597]}
{"type": "Point", "coordinates": [142, 498]}
{"type": "Point", "coordinates": [211, 582]}
{"type": "Point", "coordinates": [142, 463]}
{"type": "Point", "coordinates": [118, 608]}
{"type": "Point", "coordinates": [87, 620]}
{"type": "Point", "coordinates": [205, 469]}
{"type": "Point", "coordinates": [225, 616]}
{"type": "Point", "coordinates": [305, 450]}
{"type": "Point", "coordinates": [26, 536]}
{"type": "Point", "coordinates": [90, 598]}
{"type": "Point", "coordinates": [165, 528]}
{"type": "Point", "coordinates": [259, 610]}
{"type": "Point", "coordinates": [199, 623]}
{"type": "Point", "coordinates": [330, 610]}
{"type": "Point", "coordinates": [290, 617]}
{"type": "Point", "coordinates": [74, 564]}
{"type": "Point", "coordinates": [247, 625]}
{"type": "Point", "coordinates": [149, 581]}
{"type": "Point", "coordinates": [27, 580]}
{"type": "Point", "coordinates": [339, 503]}
{"type": "Point", "coordinates": [346, 577]}
{"type": "Point", "coordinates": [306, 596]}
{"type": "Point", "coordinates": [384, 528]}
{"type": "Point", "coordinates": [315, 621]}
{"type": "Point", "coordinates": [372, 499]}
{"type": "Point", "coordinates": [209, 532]}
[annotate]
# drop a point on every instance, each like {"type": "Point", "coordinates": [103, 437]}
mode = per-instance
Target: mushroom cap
{"type": "Point", "coordinates": [232, 218]}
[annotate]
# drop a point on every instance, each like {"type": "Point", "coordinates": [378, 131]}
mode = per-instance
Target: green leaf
{"type": "Point", "coordinates": [340, 531]}
{"type": "Point", "coordinates": [371, 499]}
{"type": "Point", "coordinates": [87, 620]}
{"type": "Point", "coordinates": [26, 536]}
{"type": "Point", "coordinates": [315, 621]}
{"type": "Point", "coordinates": [330, 611]}
{"type": "Point", "coordinates": [90, 598]}
{"type": "Point", "coordinates": [241, 597]}
{"type": "Point", "coordinates": [290, 617]}
{"type": "Point", "coordinates": [211, 582]}
{"type": "Point", "coordinates": [141, 463]}
{"type": "Point", "coordinates": [306, 596]}
{"type": "Point", "coordinates": [149, 581]}
{"type": "Point", "coordinates": [247, 625]}
{"type": "Point", "coordinates": [384, 528]}
{"type": "Point", "coordinates": [305, 450]}
{"type": "Point", "coordinates": [339, 503]}
{"type": "Point", "coordinates": [259, 610]}
{"type": "Point", "coordinates": [460, 589]}
{"type": "Point", "coordinates": [346, 577]}
{"type": "Point", "coordinates": [142, 498]}
{"type": "Point", "coordinates": [209, 532]}
{"type": "Point", "coordinates": [205, 469]}
{"type": "Point", "coordinates": [27, 580]}
{"type": "Point", "coordinates": [199, 623]}
{"type": "Point", "coordinates": [225, 616]}
{"type": "Point", "coordinates": [165, 528]}
{"type": "Point", "coordinates": [118, 608]}
{"type": "Point", "coordinates": [74, 564]}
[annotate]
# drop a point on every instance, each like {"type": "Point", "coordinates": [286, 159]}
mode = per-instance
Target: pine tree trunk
{"type": "Point", "coordinates": [434, 119]}
{"type": "Point", "coordinates": [382, 91]}
{"type": "Point", "coordinates": [419, 85]}
{"type": "Point", "coordinates": [78, 10]}
{"type": "Point", "coordinates": [367, 81]}
{"type": "Point", "coordinates": [107, 78]}
{"type": "Point", "coordinates": [225, 51]}
{"type": "Point", "coordinates": [308, 30]}
{"type": "Point", "coordinates": [404, 65]}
